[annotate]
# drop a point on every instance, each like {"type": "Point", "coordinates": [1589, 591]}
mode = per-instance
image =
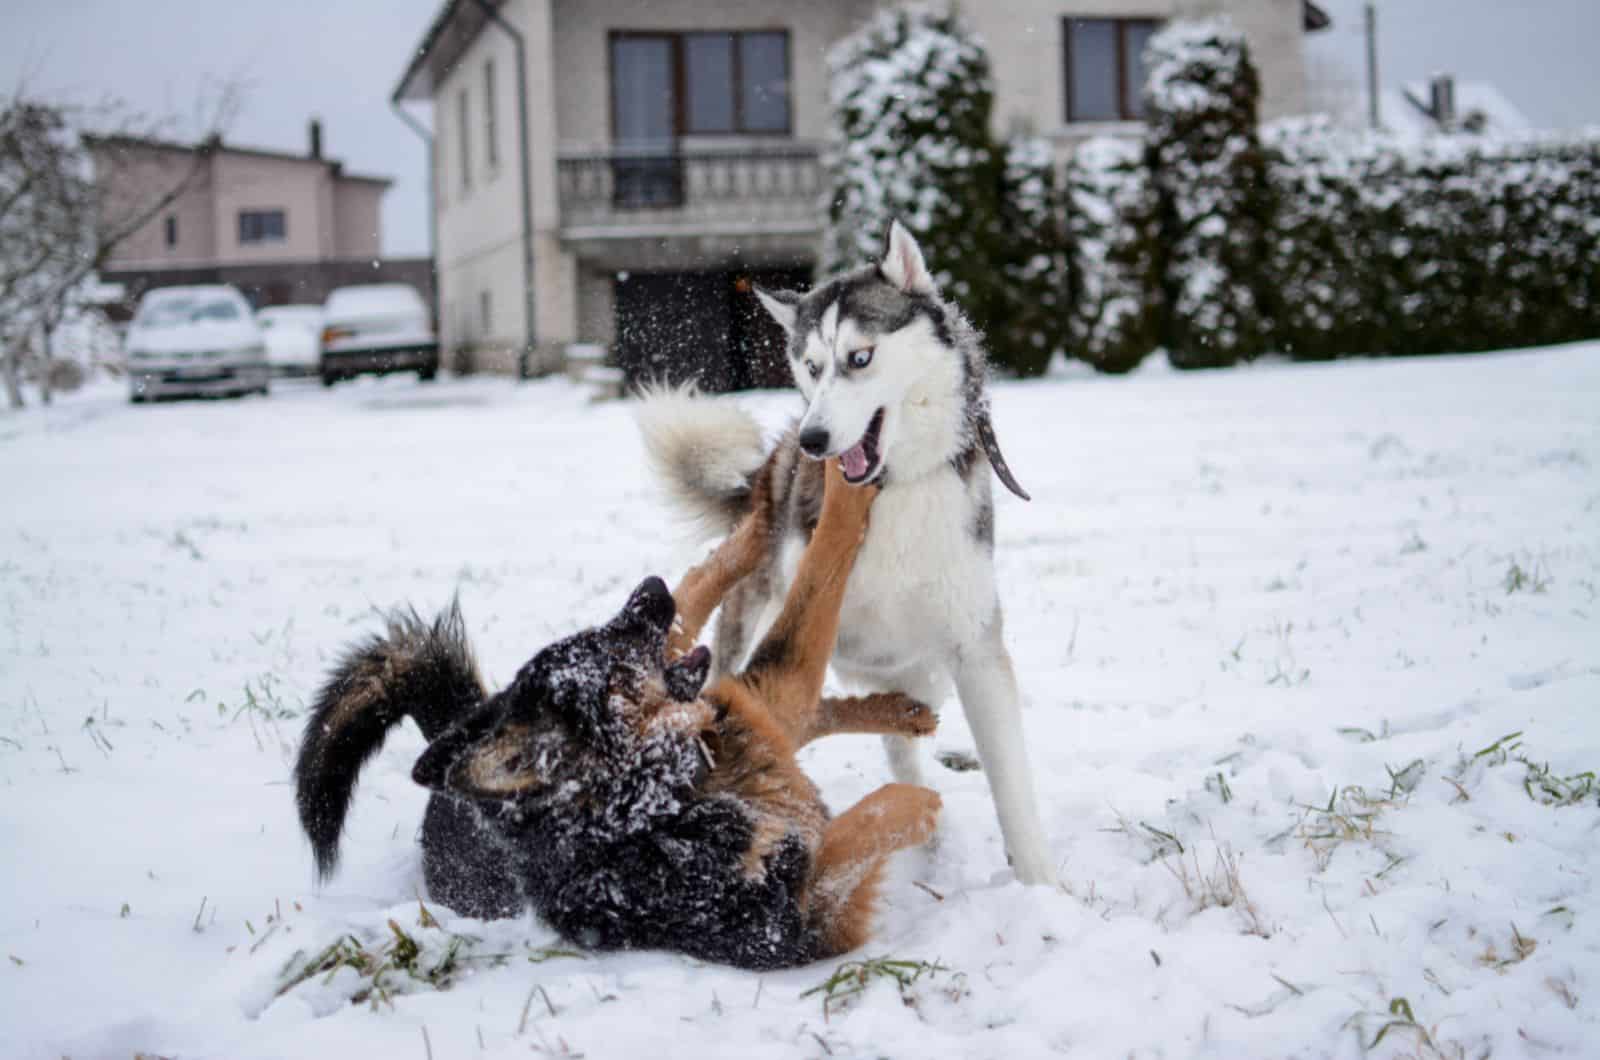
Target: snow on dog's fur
{"type": "Point", "coordinates": [602, 787]}
{"type": "Point", "coordinates": [893, 379]}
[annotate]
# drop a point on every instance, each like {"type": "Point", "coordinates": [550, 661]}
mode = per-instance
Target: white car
{"type": "Point", "coordinates": [194, 341]}
{"type": "Point", "coordinates": [380, 327]}
{"type": "Point", "coordinates": [293, 335]}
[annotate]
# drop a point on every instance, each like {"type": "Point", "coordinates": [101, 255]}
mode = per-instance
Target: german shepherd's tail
{"type": "Point", "coordinates": [705, 453]}
{"type": "Point", "coordinates": [412, 668]}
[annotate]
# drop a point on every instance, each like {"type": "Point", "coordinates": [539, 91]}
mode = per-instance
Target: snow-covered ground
{"type": "Point", "coordinates": [1265, 621]}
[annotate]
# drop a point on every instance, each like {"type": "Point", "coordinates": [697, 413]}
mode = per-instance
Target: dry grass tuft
{"type": "Point", "coordinates": [1220, 888]}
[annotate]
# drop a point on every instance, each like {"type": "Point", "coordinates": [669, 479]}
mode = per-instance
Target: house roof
{"type": "Point", "coordinates": [1480, 108]}
{"type": "Point", "coordinates": [148, 143]}
{"type": "Point", "coordinates": [452, 32]}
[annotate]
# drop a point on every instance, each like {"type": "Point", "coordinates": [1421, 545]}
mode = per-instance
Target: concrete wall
{"type": "Point", "coordinates": [243, 182]}
{"type": "Point", "coordinates": [1026, 40]}
{"type": "Point", "coordinates": [129, 179]}
{"type": "Point", "coordinates": [357, 218]}
{"type": "Point", "coordinates": [583, 61]}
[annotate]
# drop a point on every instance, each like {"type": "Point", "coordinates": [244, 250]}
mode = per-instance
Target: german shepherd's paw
{"type": "Point", "coordinates": [922, 809]}
{"type": "Point", "coordinates": [843, 503]}
{"type": "Point", "coordinates": [907, 814]}
{"type": "Point", "coordinates": [915, 718]}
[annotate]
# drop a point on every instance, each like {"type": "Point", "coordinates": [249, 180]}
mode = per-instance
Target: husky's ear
{"type": "Point", "coordinates": [903, 265]}
{"type": "Point", "coordinates": [780, 304]}
{"type": "Point", "coordinates": [497, 764]}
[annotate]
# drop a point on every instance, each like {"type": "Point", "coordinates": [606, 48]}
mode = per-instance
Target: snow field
{"type": "Point", "coordinates": [1264, 621]}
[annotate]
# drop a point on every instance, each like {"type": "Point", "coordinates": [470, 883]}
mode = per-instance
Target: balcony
{"type": "Point", "coordinates": [752, 196]}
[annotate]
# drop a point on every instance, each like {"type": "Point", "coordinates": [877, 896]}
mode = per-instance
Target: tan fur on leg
{"type": "Point", "coordinates": [850, 860]}
{"type": "Point", "coordinates": [881, 714]}
{"type": "Point", "coordinates": [787, 668]}
{"type": "Point", "coordinates": [703, 588]}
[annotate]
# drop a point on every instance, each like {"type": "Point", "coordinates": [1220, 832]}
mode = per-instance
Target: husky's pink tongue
{"type": "Point", "coordinates": [854, 460]}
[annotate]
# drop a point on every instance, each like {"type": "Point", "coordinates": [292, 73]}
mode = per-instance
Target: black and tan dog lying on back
{"type": "Point", "coordinates": [605, 789]}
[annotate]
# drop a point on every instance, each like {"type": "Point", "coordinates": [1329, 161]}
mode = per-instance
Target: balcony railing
{"type": "Point", "coordinates": [748, 188]}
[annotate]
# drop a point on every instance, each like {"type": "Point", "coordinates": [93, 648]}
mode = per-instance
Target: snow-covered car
{"type": "Point", "coordinates": [194, 341]}
{"type": "Point", "coordinates": [381, 328]}
{"type": "Point", "coordinates": [293, 335]}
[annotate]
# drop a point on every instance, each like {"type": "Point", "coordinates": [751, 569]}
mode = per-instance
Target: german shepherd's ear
{"type": "Point", "coordinates": [780, 305]}
{"type": "Point", "coordinates": [902, 263]}
{"type": "Point", "coordinates": [493, 764]}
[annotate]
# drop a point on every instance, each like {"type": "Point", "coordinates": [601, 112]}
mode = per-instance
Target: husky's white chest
{"type": "Point", "coordinates": [923, 581]}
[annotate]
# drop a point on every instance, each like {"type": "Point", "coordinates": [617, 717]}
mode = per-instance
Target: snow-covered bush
{"type": "Point", "coordinates": [1452, 243]}
{"type": "Point", "coordinates": [1114, 238]}
{"type": "Point", "coordinates": [911, 95]}
{"type": "Point", "coordinates": [1033, 318]}
{"type": "Point", "coordinates": [1210, 176]}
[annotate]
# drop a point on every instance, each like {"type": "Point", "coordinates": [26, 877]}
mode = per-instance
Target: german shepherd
{"type": "Point", "coordinates": [606, 789]}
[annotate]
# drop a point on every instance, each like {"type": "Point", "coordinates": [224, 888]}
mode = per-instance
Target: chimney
{"type": "Point", "coordinates": [1442, 101]}
{"type": "Point", "coordinates": [316, 138]}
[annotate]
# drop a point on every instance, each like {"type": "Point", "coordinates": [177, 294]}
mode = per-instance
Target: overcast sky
{"type": "Point", "coordinates": [340, 59]}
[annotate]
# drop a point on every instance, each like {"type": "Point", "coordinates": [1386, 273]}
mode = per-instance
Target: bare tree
{"type": "Point", "coordinates": [57, 227]}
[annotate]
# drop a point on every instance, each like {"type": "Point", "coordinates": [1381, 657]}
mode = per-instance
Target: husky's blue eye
{"type": "Point", "coordinates": [861, 358]}
{"type": "Point", "coordinates": [814, 368]}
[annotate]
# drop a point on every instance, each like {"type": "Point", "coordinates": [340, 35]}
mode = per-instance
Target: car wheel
{"type": "Point", "coordinates": [428, 374]}
{"type": "Point", "coordinates": [136, 398]}
{"type": "Point", "coordinates": [329, 378]}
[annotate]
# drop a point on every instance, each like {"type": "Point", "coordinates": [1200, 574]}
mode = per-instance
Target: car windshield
{"type": "Point", "coordinates": [171, 312]}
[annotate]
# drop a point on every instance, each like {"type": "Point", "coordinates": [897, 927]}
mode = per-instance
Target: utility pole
{"type": "Point", "coordinates": [1372, 64]}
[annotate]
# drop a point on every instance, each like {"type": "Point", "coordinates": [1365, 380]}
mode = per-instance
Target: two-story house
{"type": "Point", "coordinates": [672, 151]}
{"type": "Point", "coordinates": [282, 227]}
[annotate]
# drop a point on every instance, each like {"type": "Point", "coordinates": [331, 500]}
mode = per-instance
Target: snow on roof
{"type": "Point", "coordinates": [1480, 108]}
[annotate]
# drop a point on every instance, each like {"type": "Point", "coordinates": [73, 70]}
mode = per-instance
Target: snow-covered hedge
{"type": "Point", "coordinates": [911, 95]}
{"type": "Point", "coordinates": [1113, 232]}
{"type": "Point", "coordinates": [1033, 317]}
{"type": "Point", "coordinates": [1390, 246]}
{"type": "Point", "coordinates": [1209, 172]}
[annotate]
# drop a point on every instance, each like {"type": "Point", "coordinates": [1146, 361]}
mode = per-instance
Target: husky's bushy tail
{"type": "Point", "coordinates": [704, 452]}
{"type": "Point", "coordinates": [425, 671]}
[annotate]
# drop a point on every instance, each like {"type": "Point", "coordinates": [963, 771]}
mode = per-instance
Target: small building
{"type": "Point", "coordinates": [665, 156]}
{"type": "Point", "coordinates": [284, 228]}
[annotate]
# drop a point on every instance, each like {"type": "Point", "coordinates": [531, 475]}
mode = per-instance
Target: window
{"type": "Point", "coordinates": [462, 120]}
{"type": "Point", "coordinates": [172, 231]}
{"type": "Point", "coordinates": [262, 226]}
{"type": "Point", "coordinates": [1105, 72]}
{"type": "Point", "coordinates": [665, 85]}
{"type": "Point", "coordinates": [490, 138]}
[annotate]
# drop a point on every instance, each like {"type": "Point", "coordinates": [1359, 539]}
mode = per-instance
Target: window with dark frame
{"type": "Point", "coordinates": [463, 116]}
{"type": "Point", "coordinates": [172, 231]}
{"type": "Point", "coordinates": [1104, 67]}
{"type": "Point", "coordinates": [716, 83]}
{"type": "Point", "coordinates": [490, 135]}
{"type": "Point", "coordinates": [263, 226]}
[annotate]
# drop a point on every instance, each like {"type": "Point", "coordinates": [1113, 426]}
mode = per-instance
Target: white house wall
{"type": "Point", "coordinates": [1026, 41]}
{"type": "Point", "coordinates": [480, 226]}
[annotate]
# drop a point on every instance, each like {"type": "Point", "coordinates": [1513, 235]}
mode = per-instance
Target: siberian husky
{"type": "Point", "coordinates": [893, 379]}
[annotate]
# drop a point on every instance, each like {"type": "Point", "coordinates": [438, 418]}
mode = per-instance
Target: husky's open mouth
{"type": "Point", "coordinates": [860, 461]}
